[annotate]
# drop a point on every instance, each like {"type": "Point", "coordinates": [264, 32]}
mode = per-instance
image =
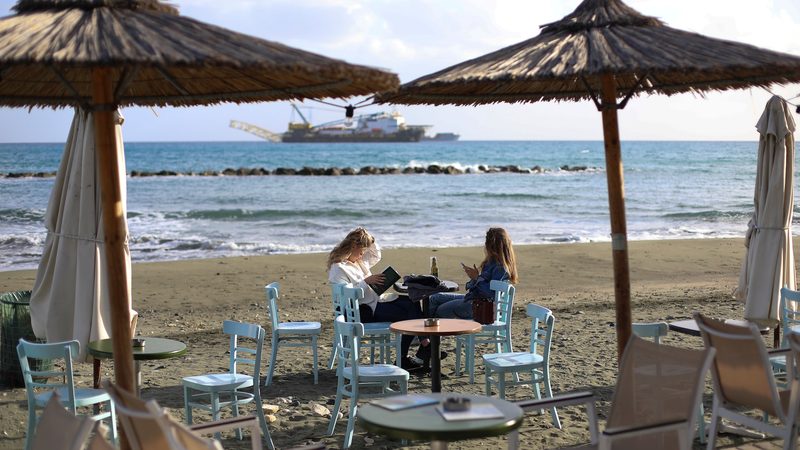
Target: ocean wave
{"type": "Point", "coordinates": [512, 196]}
{"type": "Point", "coordinates": [21, 215]}
{"type": "Point", "coordinates": [261, 214]}
{"type": "Point", "coordinates": [709, 215]}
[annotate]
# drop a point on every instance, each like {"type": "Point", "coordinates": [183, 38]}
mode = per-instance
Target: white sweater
{"type": "Point", "coordinates": [355, 273]}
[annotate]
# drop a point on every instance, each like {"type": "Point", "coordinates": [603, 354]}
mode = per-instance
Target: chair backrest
{"type": "Point", "coordinates": [240, 352]}
{"type": "Point", "coordinates": [542, 322]}
{"type": "Point", "coordinates": [741, 371]}
{"type": "Point", "coordinates": [336, 296]}
{"type": "Point", "coordinates": [351, 299]}
{"type": "Point", "coordinates": [658, 383]}
{"type": "Point", "coordinates": [348, 343]}
{"type": "Point", "coordinates": [59, 376]}
{"type": "Point", "coordinates": [148, 427]}
{"type": "Point", "coordinates": [790, 312]}
{"type": "Point", "coordinates": [60, 428]}
{"type": "Point", "coordinates": [272, 304]}
{"type": "Point", "coordinates": [652, 330]}
{"type": "Point", "coordinates": [503, 300]}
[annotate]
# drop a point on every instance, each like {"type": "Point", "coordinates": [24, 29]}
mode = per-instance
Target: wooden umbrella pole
{"type": "Point", "coordinates": [616, 206]}
{"type": "Point", "coordinates": [114, 227]}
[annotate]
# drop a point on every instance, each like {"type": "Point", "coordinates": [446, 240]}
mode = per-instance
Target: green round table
{"type": "Point", "coordinates": [154, 348]}
{"type": "Point", "coordinates": [426, 423]}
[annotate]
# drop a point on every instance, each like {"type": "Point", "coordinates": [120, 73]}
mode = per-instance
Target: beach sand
{"type": "Point", "coordinates": [188, 300]}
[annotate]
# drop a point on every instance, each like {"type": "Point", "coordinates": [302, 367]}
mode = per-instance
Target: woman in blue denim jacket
{"type": "Point", "coordinates": [499, 263]}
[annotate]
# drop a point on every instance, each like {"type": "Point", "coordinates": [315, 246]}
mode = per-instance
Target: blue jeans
{"type": "Point", "coordinates": [447, 305]}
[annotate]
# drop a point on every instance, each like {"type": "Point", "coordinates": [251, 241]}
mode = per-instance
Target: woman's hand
{"type": "Point", "coordinates": [376, 278]}
{"type": "Point", "coordinates": [472, 272]}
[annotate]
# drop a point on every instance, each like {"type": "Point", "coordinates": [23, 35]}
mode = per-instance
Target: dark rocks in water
{"type": "Point", "coordinates": [369, 170]}
{"type": "Point", "coordinates": [330, 171]}
{"type": "Point", "coordinates": [433, 168]}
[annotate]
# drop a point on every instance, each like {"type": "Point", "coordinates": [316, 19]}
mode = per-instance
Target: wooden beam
{"type": "Point", "coordinates": [616, 208]}
{"type": "Point", "coordinates": [114, 227]}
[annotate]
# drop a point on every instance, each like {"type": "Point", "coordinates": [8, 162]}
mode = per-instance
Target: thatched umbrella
{"type": "Point", "coordinates": [604, 51]}
{"type": "Point", "coordinates": [102, 54]}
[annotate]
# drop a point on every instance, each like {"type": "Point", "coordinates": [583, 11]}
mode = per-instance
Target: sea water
{"type": "Point", "coordinates": [673, 190]}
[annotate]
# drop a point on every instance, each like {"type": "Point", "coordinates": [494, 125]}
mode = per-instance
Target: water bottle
{"type": "Point", "coordinates": [434, 267]}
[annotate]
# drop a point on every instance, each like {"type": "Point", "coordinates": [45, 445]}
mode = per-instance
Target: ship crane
{"type": "Point", "coordinates": [263, 133]}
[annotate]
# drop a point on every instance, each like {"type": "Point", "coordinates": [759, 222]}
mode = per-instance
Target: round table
{"type": "Point", "coordinates": [446, 327]}
{"type": "Point", "coordinates": [154, 348]}
{"type": "Point", "coordinates": [426, 423]}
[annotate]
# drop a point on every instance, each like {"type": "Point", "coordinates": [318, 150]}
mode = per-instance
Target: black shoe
{"type": "Point", "coordinates": [424, 353]}
{"type": "Point", "coordinates": [409, 365]}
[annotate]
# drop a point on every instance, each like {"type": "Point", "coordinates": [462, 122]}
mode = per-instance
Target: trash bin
{"type": "Point", "coordinates": [15, 323]}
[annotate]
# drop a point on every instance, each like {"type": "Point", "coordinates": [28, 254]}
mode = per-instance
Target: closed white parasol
{"type": "Point", "coordinates": [769, 263]}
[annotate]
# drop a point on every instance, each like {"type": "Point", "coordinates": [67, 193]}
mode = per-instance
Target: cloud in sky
{"type": "Point", "coordinates": [416, 37]}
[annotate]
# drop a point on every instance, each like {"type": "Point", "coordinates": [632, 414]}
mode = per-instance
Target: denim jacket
{"type": "Point", "coordinates": [479, 287]}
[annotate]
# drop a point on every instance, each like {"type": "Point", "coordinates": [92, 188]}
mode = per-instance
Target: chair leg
{"type": "Point", "coordinates": [273, 359]}
{"type": "Point", "coordinates": [713, 426]}
{"type": "Point", "coordinates": [334, 352]}
{"type": "Point", "coordinates": [459, 341]}
{"type": "Point", "coordinates": [469, 358]}
{"type": "Point", "coordinates": [701, 423]}
{"type": "Point", "coordinates": [31, 425]}
{"type": "Point", "coordinates": [314, 352]}
{"type": "Point", "coordinates": [113, 418]}
{"type": "Point", "coordinates": [236, 412]}
{"type": "Point", "coordinates": [351, 423]}
{"type": "Point", "coordinates": [335, 411]}
{"type": "Point", "coordinates": [501, 384]}
{"type": "Point", "coordinates": [262, 419]}
{"type": "Point", "coordinates": [549, 393]}
{"type": "Point", "coordinates": [488, 382]}
{"type": "Point", "coordinates": [186, 406]}
{"type": "Point", "coordinates": [215, 412]}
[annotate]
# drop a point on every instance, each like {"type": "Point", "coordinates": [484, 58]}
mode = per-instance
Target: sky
{"type": "Point", "coordinates": [416, 37]}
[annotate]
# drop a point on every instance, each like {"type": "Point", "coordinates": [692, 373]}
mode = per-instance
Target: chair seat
{"type": "Point", "coordinates": [227, 381]}
{"type": "Point", "coordinates": [498, 325]}
{"type": "Point", "coordinates": [299, 327]}
{"type": "Point", "coordinates": [376, 371]}
{"type": "Point", "coordinates": [83, 397]}
{"type": "Point", "coordinates": [514, 360]}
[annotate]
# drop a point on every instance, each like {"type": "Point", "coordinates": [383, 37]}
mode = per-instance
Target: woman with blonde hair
{"type": "Point", "coordinates": [499, 263]}
{"type": "Point", "coordinates": [350, 262]}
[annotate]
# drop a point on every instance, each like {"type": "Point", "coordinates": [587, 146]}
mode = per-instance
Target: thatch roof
{"type": "Point", "coordinates": [49, 48]}
{"type": "Point", "coordinates": [601, 37]}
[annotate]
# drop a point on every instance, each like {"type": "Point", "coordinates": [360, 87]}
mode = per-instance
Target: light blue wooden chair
{"type": "Point", "coordinates": [357, 381]}
{"type": "Point", "coordinates": [377, 335]}
{"type": "Point", "coordinates": [214, 391]}
{"type": "Point", "coordinates": [790, 323]}
{"type": "Point", "coordinates": [289, 334]}
{"type": "Point", "coordinates": [650, 330]}
{"type": "Point", "coordinates": [536, 361]}
{"type": "Point", "coordinates": [42, 384]}
{"type": "Point", "coordinates": [497, 333]}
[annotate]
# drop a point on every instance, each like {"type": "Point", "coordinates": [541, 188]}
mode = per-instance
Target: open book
{"type": "Point", "coordinates": [400, 402]}
{"type": "Point", "coordinates": [390, 276]}
{"type": "Point", "coordinates": [475, 412]}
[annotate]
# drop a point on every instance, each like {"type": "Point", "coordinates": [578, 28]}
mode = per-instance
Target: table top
{"type": "Point", "coordinates": [154, 348]}
{"type": "Point", "coordinates": [689, 326]}
{"type": "Point", "coordinates": [426, 423]}
{"type": "Point", "coordinates": [446, 327]}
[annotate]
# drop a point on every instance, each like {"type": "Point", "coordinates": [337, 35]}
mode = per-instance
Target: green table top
{"type": "Point", "coordinates": [154, 348]}
{"type": "Point", "coordinates": [426, 423]}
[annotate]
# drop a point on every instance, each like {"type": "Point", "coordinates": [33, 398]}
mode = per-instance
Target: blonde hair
{"type": "Point", "coordinates": [358, 238]}
{"type": "Point", "coordinates": [498, 248]}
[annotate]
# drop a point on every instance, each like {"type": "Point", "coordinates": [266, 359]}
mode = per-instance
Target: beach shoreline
{"type": "Point", "coordinates": [188, 300]}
